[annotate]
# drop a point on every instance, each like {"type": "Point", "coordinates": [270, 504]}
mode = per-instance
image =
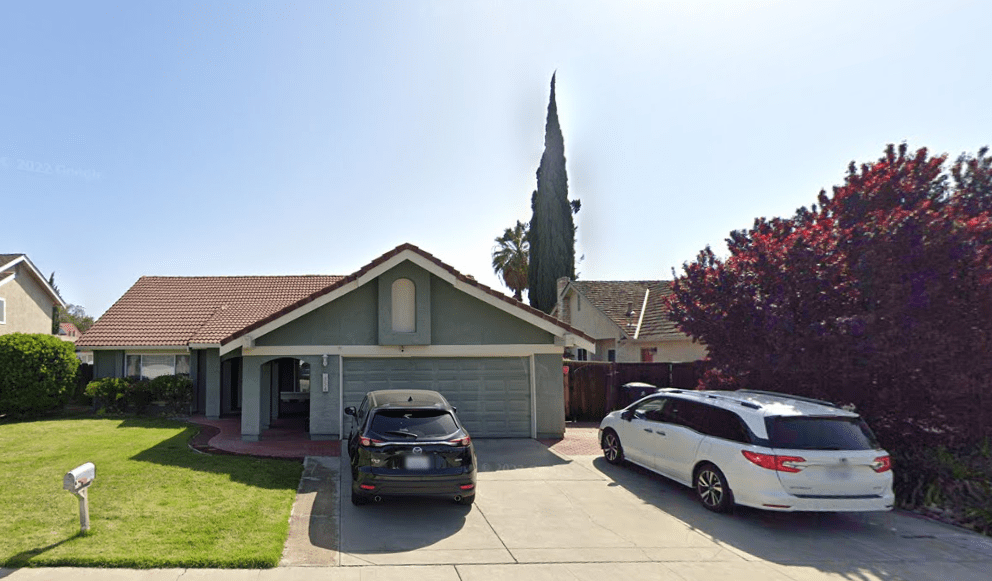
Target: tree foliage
{"type": "Point", "coordinates": [76, 315]}
{"type": "Point", "coordinates": [879, 296]}
{"type": "Point", "coordinates": [511, 258]}
{"type": "Point", "coordinates": [552, 230]}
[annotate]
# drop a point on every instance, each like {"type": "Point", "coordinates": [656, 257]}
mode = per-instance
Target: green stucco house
{"type": "Point", "coordinates": [265, 347]}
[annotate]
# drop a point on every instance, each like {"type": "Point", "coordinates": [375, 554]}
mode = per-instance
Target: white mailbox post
{"type": "Point", "coordinates": [77, 481]}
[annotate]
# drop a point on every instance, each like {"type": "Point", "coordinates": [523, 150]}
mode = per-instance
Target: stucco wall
{"type": "Point", "coordinates": [28, 305]}
{"type": "Point", "coordinates": [583, 315]}
{"type": "Point", "coordinates": [667, 351]}
{"type": "Point", "coordinates": [550, 396]}
{"type": "Point", "coordinates": [460, 319]}
{"type": "Point", "coordinates": [351, 319]}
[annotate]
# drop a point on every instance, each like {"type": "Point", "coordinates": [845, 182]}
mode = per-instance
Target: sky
{"type": "Point", "coordinates": [244, 138]}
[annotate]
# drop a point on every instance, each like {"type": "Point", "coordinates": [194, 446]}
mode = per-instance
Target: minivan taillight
{"type": "Point", "coordinates": [773, 462]}
{"type": "Point", "coordinates": [881, 464]}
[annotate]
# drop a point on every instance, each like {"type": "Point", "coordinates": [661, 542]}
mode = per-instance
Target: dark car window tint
{"type": "Point", "coordinates": [820, 433]}
{"type": "Point", "coordinates": [687, 413]}
{"type": "Point", "coordinates": [721, 423]}
{"type": "Point", "coordinates": [415, 424]}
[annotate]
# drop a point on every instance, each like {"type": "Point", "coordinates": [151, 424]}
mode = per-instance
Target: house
{"type": "Point", "coordinates": [628, 321]}
{"type": "Point", "coordinates": [266, 347]}
{"type": "Point", "coordinates": [69, 332]}
{"type": "Point", "coordinates": [27, 301]}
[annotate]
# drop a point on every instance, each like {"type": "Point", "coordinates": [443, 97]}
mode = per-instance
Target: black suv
{"type": "Point", "coordinates": [409, 442]}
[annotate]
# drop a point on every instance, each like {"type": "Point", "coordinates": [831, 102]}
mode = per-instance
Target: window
{"type": "Point", "coordinates": [650, 410]}
{"type": "Point", "coordinates": [582, 355]}
{"type": "Point", "coordinates": [404, 306]}
{"type": "Point", "coordinates": [152, 366]}
{"type": "Point", "coordinates": [611, 355]}
{"type": "Point", "coordinates": [3, 312]}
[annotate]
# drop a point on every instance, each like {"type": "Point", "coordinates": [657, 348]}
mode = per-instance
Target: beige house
{"type": "Point", "coordinates": [627, 319]}
{"type": "Point", "coordinates": [26, 298]}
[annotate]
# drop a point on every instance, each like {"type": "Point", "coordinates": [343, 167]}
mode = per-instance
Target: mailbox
{"type": "Point", "coordinates": [79, 477]}
{"type": "Point", "coordinates": [77, 481]}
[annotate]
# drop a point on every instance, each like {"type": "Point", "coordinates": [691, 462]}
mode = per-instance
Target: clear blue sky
{"type": "Point", "coordinates": [188, 138]}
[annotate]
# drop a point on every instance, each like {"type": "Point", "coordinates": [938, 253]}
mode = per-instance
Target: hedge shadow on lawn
{"type": "Point", "coordinates": [267, 473]}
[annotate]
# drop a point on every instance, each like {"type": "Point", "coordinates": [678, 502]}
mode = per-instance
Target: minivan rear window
{"type": "Point", "coordinates": [413, 424]}
{"type": "Point", "coordinates": [820, 433]}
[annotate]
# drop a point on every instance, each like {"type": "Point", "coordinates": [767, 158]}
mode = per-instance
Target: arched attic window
{"type": "Point", "coordinates": [404, 306]}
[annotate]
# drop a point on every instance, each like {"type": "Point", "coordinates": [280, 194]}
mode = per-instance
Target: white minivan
{"type": "Point", "coordinates": [754, 448]}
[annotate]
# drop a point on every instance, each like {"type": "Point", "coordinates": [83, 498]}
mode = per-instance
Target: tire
{"type": "Point", "coordinates": [712, 489]}
{"type": "Point", "coordinates": [612, 449]}
{"type": "Point", "coordinates": [358, 499]}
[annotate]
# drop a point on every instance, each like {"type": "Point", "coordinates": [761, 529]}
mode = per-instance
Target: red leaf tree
{"type": "Point", "coordinates": [879, 296]}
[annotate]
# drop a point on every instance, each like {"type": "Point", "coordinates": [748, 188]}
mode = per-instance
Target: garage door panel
{"type": "Point", "coordinates": [492, 394]}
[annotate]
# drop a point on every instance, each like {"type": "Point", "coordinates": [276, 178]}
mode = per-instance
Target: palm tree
{"type": "Point", "coordinates": [510, 258]}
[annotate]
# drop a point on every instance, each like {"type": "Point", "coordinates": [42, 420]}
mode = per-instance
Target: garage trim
{"type": "Point", "coordinates": [525, 350]}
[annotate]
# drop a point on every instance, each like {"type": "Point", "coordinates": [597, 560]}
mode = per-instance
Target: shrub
{"type": "Point", "coordinates": [139, 394]}
{"type": "Point", "coordinates": [110, 393]}
{"type": "Point", "coordinates": [175, 390]}
{"type": "Point", "coordinates": [37, 373]}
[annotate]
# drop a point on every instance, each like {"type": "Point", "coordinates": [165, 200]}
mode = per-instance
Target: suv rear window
{"type": "Point", "coordinates": [820, 433]}
{"type": "Point", "coordinates": [413, 424]}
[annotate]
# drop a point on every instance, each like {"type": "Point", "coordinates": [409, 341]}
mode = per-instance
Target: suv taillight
{"type": "Point", "coordinates": [881, 464]}
{"type": "Point", "coordinates": [461, 441]}
{"type": "Point", "coordinates": [366, 442]}
{"type": "Point", "coordinates": [773, 462]}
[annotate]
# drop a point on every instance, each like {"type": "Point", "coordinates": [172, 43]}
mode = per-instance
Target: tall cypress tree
{"type": "Point", "coordinates": [552, 231]}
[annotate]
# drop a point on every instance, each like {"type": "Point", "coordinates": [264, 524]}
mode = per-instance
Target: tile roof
{"type": "Point", "coordinates": [6, 258]}
{"type": "Point", "coordinates": [178, 310]}
{"type": "Point", "coordinates": [174, 311]}
{"type": "Point", "coordinates": [614, 297]}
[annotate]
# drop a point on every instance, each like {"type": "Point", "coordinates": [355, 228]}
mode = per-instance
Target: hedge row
{"type": "Point", "coordinates": [119, 394]}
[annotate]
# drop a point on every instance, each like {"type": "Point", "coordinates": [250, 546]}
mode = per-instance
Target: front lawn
{"type": "Point", "coordinates": [155, 502]}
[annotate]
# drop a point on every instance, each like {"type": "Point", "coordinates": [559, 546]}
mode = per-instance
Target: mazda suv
{"type": "Point", "coordinates": [409, 443]}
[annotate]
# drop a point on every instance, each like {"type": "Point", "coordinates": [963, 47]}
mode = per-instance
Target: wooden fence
{"type": "Point", "coordinates": [594, 388]}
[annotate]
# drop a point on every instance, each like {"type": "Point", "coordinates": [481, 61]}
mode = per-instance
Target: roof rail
{"type": "Point", "coordinates": [790, 396]}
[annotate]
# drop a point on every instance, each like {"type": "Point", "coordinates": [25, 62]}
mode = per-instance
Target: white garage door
{"type": "Point", "coordinates": [492, 394]}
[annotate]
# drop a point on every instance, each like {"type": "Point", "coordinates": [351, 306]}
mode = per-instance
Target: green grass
{"type": "Point", "coordinates": [155, 502]}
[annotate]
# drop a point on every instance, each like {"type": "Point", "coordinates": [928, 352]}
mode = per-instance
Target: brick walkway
{"type": "Point", "coordinates": [581, 439]}
{"type": "Point", "coordinates": [286, 439]}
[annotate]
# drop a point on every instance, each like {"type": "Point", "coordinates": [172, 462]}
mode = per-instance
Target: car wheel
{"type": "Point", "coordinates": [358, 499]}
{"type": "Point", "coordinates": [612, 450]}
{"type": "Point", "coordinates": [712, 489]}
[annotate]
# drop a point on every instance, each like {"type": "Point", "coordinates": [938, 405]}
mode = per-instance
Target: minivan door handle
{"type": "Point", "coordinates": [660, 433]}
{"type": "Point", "coordinates": [648, 430]}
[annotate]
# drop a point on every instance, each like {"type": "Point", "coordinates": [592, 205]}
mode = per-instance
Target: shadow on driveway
{"type": "Point", "coordinates": [886, 545]}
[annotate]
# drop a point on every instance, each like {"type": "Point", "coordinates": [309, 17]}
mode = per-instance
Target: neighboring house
{"type": "Point", "coordinates": [268, 346]}
{"type": "Point", "coordinates": [627, 319]}
{"type": "Point", "coordinates": [69, 332]}
{"type": "Point", "coordinates": [26, 299]}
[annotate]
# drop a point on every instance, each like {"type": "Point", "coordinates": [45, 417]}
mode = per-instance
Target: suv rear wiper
{"type": "Point", "coordinates": [399, 433]}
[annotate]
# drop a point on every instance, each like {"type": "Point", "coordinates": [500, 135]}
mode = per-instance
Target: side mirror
{"type": "Point", "coordinates": [350, 411]}
{"type": "Point", "coordinates": [627, 414]}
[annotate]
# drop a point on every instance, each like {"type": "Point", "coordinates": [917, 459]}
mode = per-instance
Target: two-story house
{"type": "Point", "coordinates": [27, 301]}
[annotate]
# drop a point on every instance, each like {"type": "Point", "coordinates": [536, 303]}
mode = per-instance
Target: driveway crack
{"type": "Point", "coordinates": [490, 525]}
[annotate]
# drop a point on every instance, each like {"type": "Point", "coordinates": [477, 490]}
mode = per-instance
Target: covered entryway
{"type": "Point", "coordinates": [493, 395]}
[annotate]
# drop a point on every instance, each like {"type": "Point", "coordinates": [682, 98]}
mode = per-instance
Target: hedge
{"type": "Point", "coordinates": [37, 373]}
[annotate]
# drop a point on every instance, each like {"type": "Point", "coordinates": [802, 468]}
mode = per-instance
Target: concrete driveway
{"type": "Point", "coordinates": [541, 514]}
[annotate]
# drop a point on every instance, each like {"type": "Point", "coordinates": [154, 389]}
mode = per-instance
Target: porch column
{"type": "Point", "coordinates": [212, 383]}
{"type": "Point", "coordinates": [266, 380]}
{"type": "Point", "coordinates": [251, 399]}
{"type": "Point", "coordinates": [325, 407]}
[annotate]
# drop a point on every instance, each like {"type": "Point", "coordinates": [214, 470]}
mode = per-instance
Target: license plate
{"type": "Point", "coordinates": [839, 473]}
{"type": "Point", "coordinates": [417, 462]}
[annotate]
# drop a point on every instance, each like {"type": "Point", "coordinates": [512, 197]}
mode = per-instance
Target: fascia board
{"type": "Point", "coordinates": [7, 278]}
{"type": "Point", "coordinates": [44, 282]}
